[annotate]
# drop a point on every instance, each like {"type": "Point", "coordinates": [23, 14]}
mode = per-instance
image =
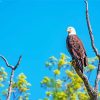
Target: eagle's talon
{"type": "Point", "coordinates": [73, 63]}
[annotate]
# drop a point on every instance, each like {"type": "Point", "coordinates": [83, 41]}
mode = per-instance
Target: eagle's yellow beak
{"type": "Point", "coordinates": [69, 30]}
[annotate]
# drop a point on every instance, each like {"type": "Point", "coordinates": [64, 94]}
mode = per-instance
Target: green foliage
{"type": "Point", "coordinates": [91, 67]}
{"type": "Point", "coordinates": [65, 84]}
{"type": "Point", "coordinates": [22, 84]}
{"type": "Point", "coordinates": [3, 76]}
{"type": "Point", "coordinates": [20, 87]}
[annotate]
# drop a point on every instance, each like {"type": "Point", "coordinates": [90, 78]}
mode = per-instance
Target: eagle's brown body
{"type": "Point", "coordinates": [77, 51]}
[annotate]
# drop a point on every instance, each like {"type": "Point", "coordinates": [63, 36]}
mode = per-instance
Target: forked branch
{"type": "Point", "coordinates": [13, 68]}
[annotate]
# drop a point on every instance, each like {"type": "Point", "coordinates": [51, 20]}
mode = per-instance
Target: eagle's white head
{"type": "Point", "coordinates": [71, 31]}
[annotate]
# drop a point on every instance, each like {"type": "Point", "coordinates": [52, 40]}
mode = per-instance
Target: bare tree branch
{"type": "Point", "coordinates": [7, 64]}
{"type": "Point", "coordinates": [97, 77]}
{"type": "Point", "coordinates": [93, 46]}
{"type": "Point", "coordinates": [13, 68]}
{"type": "Point", "coordinates": [91, 92]}
{"type": "Point", "coordinates": [10, 85]}
{"type": "Point", "coordinates": [90, 30]}
{"type": "Point", "coordinates": [18, 63]}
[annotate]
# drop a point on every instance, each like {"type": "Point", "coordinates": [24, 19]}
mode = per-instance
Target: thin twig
{"type": "Point", "coordinates": [18, 63]}
{"type": "Point", "coordinates": [93, 46]}
{"type": "Point", "coordinates": [90, 30]}
{"type": "Point", "coordinates": [7, 64]}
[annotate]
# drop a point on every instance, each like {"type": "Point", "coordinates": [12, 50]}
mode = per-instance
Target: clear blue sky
{"type": "Point", "coordinates": [36, 29]}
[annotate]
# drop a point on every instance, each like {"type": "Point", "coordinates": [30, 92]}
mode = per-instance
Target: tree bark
{"type": "Point", "coordinates": [10, 85]}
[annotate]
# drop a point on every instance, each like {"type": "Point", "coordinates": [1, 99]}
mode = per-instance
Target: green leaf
{"type": "Point", "coordinates": [91, 67]}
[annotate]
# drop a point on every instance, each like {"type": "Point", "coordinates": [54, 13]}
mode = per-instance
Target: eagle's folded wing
{"type": "Point", "coordinates": [76, 49]}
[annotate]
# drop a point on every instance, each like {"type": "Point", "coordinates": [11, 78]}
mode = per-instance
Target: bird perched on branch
{"type": "Point", "coordinates": [76, 49]}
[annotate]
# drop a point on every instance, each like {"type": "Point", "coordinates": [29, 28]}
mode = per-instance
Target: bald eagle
{"type": "Point", "coordinates": [76, 49]}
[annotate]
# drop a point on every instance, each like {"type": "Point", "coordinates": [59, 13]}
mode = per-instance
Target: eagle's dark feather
{"type": "Point", "coordinates": [77, 51]}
